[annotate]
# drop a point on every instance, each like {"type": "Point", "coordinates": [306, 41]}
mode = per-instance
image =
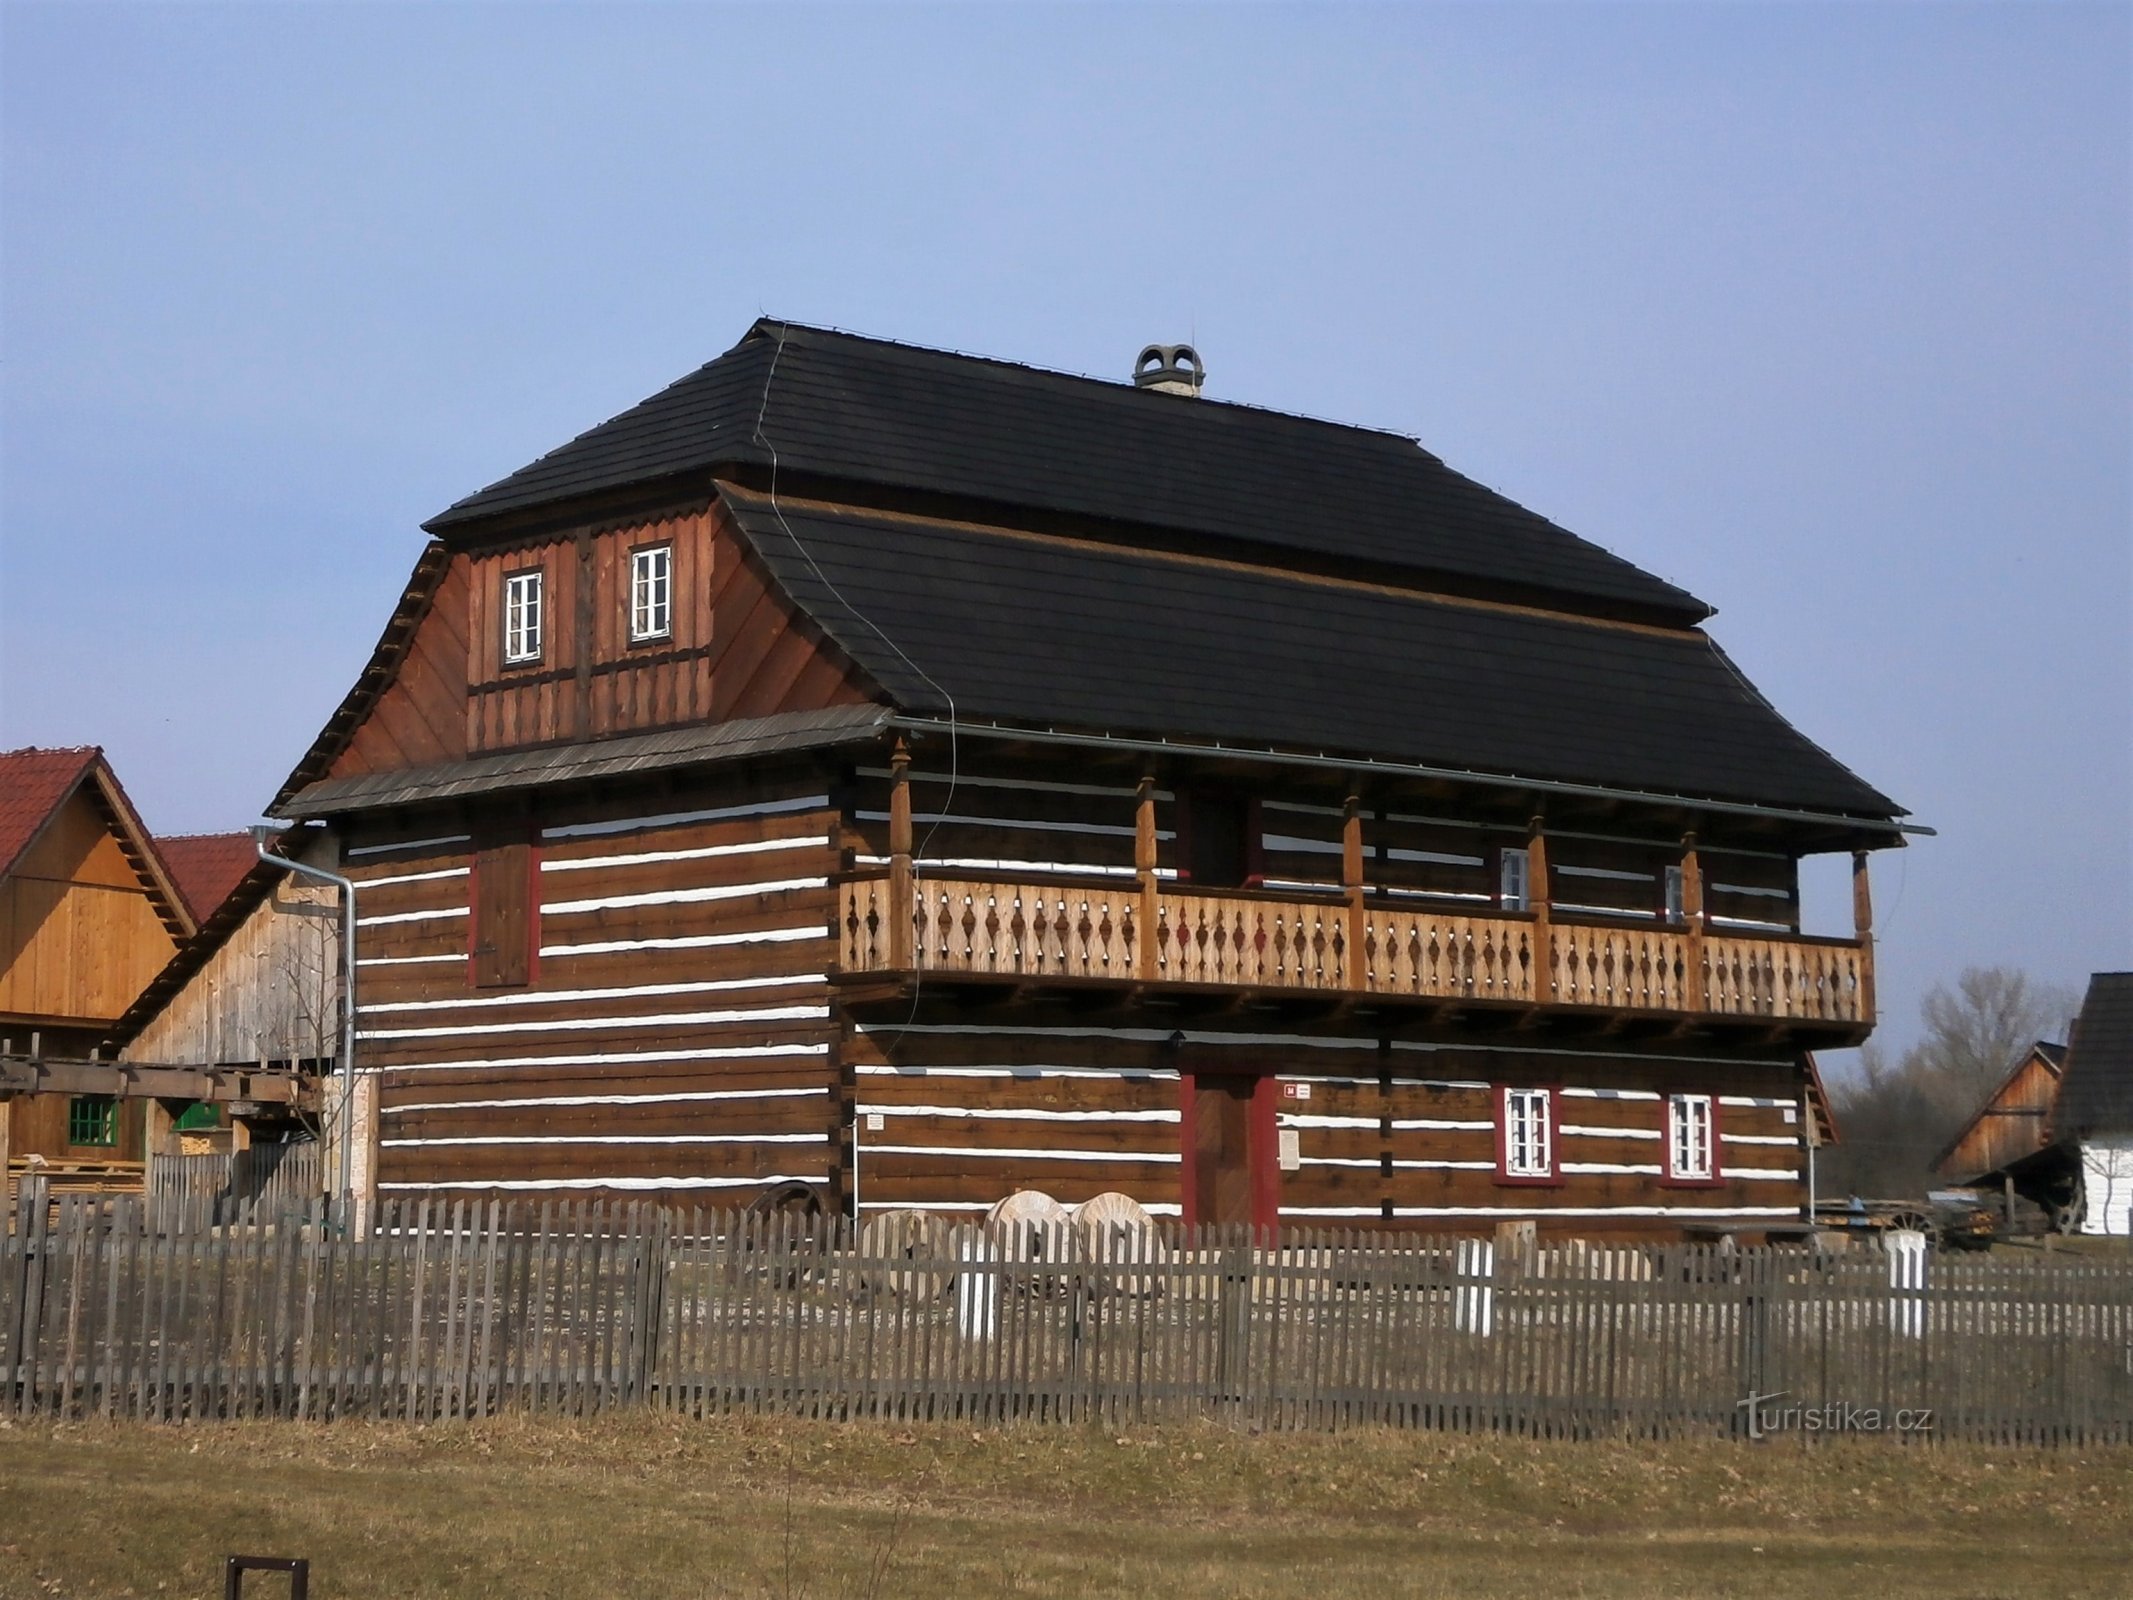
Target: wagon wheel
{"type": "Point", "coordinates": [1917, 1221]}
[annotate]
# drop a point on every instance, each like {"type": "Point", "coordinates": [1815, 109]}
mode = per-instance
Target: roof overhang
{"type": "Point", "coordinates": [671, 750]}
{"type": "Point", "coordinates": [1868, 833]}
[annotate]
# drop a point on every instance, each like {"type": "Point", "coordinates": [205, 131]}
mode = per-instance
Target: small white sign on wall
{"type": "Point", "coordinates": [875, 1122]}
{"type": "Point", "coordinates": [1291, 1149]}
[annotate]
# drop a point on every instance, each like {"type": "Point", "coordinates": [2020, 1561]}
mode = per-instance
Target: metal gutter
{"type": "Point", "coordinates": [1222, 752]}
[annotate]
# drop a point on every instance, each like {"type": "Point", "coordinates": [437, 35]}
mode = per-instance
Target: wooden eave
{"type": "Point", "coordinates": [376, 677]}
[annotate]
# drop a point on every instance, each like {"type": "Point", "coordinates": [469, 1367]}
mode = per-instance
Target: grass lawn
{"type": "Point", "coordinates": [755, 1508]}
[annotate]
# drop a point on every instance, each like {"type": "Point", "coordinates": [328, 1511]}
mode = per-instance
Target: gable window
{"type": "Point", "coordinates": [522, 618]}
{"type": "Point", "coordinates": [1511, 881]}
{"type": "Point", "coordinates": [651, 592]}
{"type": "Point", "coordinates": [92, 1119]}
{"type": "Point", "coordinates": [1691, 1139]}
{"type": "Point", "coordinates": [1525, 1136]}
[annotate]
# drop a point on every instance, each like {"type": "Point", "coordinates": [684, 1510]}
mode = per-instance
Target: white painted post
{"type": "Point", "coordinates": [1474, 1298]}
{"type": "Point", "coordinates": [976, 1288]}
{"type": "Point", "coordinates": [1907, 1282]}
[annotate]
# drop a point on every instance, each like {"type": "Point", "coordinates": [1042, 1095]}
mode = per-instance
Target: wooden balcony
{"type": "Point", "coordinates": [1037, 930]}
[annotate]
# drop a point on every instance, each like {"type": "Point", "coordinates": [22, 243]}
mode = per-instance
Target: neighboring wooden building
{"type": "Point", "coordinates": [2007, 1146]}
{"type": "Point", "coordinates": [89, 913]}
{"type": "Point", "coordinates": [2093, 1118]}
{"type": "Point", "coordinates": [920, 777]}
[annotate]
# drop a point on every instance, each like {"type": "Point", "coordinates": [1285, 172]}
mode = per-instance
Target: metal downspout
{"type": "Point", "coordinates": [260, 836]}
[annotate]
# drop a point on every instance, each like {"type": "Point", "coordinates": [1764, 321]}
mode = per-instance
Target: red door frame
{"type": "Point", "coordinates": [1262, 1146]}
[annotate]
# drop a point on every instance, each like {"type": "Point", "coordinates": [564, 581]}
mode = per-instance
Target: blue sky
{"type": "Point", "coordinates": [1821, 311]}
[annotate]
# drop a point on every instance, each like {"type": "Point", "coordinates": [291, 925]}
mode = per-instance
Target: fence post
{"type": "Point", "coordinates": [1907, 1282]}
{"type": "Point", "coordinates": [1474, 1294]}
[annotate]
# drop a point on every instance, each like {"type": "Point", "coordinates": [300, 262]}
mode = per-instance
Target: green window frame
{"type": "Point", "coordinates": [92, 1119]}
{"type": "Point", "coordinates": [199, 1116]}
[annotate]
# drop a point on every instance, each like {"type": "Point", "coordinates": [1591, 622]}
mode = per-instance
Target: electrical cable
{"type": "Point", "coordinates": [954, 748]}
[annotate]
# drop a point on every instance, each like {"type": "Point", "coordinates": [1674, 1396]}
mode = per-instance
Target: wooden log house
{"type": "Point", "coordinates": [89, 912]}
{"type": "Point", "coordinates": [918, 777]}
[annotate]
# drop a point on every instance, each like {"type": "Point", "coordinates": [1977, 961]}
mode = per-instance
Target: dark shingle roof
{"type": "Point", "coordinates": [893, 416]}
{"type": "Point", "coordinates": [1047, 632]}
{"type": "Point", "coordinates": [2096, 1090]}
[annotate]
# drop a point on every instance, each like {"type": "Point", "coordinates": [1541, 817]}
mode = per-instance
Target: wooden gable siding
{"type": "Point", "coordinates": [952, 1118]}
{"type": "Point", "coordinates": [2013, 1124]}
{"type": "Point", "coordinates": [736, 649]}
{"type": "Point", "coordinates": [675, 1038]}
{"type": "Point", "coordinates": [270, 992]}
{"type": "Point", "coordinates": [421, 717]}
{"type": "Point", "coordinates": [80, 934]}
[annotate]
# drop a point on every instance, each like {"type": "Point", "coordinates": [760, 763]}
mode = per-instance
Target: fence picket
{"type": "Point", "coordinates": [461, 1309]}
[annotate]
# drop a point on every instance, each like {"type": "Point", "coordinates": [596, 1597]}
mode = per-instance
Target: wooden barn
{"type": "Point", "coordinates": [89, 913]}
{"type": "Point", "coordinates": [917, 778]}
{"type": "Point", "coordinates": [2008, 1146]}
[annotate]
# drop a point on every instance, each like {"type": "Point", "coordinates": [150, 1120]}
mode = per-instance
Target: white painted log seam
{"type": "Point", "coordinates": [616, 1058]}
{"type": "Point", "coordinates": [545, 1100]}
{"type": "Point", "coordinates": [679, 897]}
{"type": "Point", "coordinates": [746, 847]}
{"type": "Point", "coordinates": [558, 996]}
{"type": "Point", "coordinates": [672, 1019]}
{"type": "Point", "coordinates": [675, 819]}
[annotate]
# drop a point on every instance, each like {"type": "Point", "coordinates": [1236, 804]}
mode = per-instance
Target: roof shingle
{"type": "Point", "coordinates": [207, 866]}
{"type": "Point", "coordinates": [2096, 1089]}
{"type": "Point", "coordinates": [1051, 633]}
{"type": "Point", "coordinates": [33, 782]}
{"type": "Point", "coordinates": [870, 412]}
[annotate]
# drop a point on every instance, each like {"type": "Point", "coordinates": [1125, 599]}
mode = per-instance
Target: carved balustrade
{"type": "Point", "coordinates": [1243, 939]}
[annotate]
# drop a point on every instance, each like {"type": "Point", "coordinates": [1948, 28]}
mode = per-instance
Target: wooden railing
{"type": "Point", "coordinates": [1244, 939]}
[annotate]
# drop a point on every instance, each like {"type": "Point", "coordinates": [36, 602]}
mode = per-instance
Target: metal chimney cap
{"type": "Point", "coordinates": [1169, 369]}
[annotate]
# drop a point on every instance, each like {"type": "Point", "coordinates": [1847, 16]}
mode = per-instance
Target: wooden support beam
{"type": "Point", "coordinates": [1144, 863]}
{"type": "Point", "coordinates": [1357, 976]}
{"type": "Point", "coordinates": [1695, 924]}
{"type": "Point", "coordinates": [21, 1075]}
{"type": "Point", "coordinates": [1863, 930]}
{"type": "Point", "coordinates": [901, 909]}
{"type": "Point", "coordinates": [1538, 891]}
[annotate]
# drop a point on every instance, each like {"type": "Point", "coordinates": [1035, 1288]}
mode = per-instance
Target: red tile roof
{"type": "Point", "coordinates": [207, 866]}
{"type": "Point", "coordinates": [32, 784]}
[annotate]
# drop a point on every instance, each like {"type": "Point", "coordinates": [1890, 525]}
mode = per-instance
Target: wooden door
{"type": "Point", "coordinates": [1219, 839]}
{"type": "Point", "coordinates": [1230, 1152]}
{"type": "Point", "coordinates": [502, 928]}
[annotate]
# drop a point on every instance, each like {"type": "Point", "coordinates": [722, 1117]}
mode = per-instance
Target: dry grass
{"type": "Point", "coordinates": [754, 1509]}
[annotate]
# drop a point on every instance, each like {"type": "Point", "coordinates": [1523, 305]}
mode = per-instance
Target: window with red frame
{"type": "Point", "coordinates": [1525, 1136]}
{"type": "Point", "coordinates": [1691, 1139]}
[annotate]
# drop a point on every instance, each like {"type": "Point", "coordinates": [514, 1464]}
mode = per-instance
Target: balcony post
{"type": "Point", "coordinates": [1356, 977]}
{"type": "Point", "coordinates": [1538, 893]}
{"type": "Point", "coordinates": [903, 911]}
{"type": "Point", "coordinates": [1144, 869]}
{"type": "Point", "coordinates": [1694, 925]}
{"type": "Point", "coordinates": [1863, 930]}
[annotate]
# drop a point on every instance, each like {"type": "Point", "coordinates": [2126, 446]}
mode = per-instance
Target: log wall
{"type": "Point", "coordinates": [674, 1039]}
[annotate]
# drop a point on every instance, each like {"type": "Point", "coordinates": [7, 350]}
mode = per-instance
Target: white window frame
{"type": "Point", "coordinates": [522, 617]}
{"type": "Point", "coordinates": [1529, 1134]}
{"type": "Point", "coordinates": [1514, 880]}
{"type": "Point", "coordinates": [651, 593]}
{"type": "Point", "coordinates": [1691, 1138]}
